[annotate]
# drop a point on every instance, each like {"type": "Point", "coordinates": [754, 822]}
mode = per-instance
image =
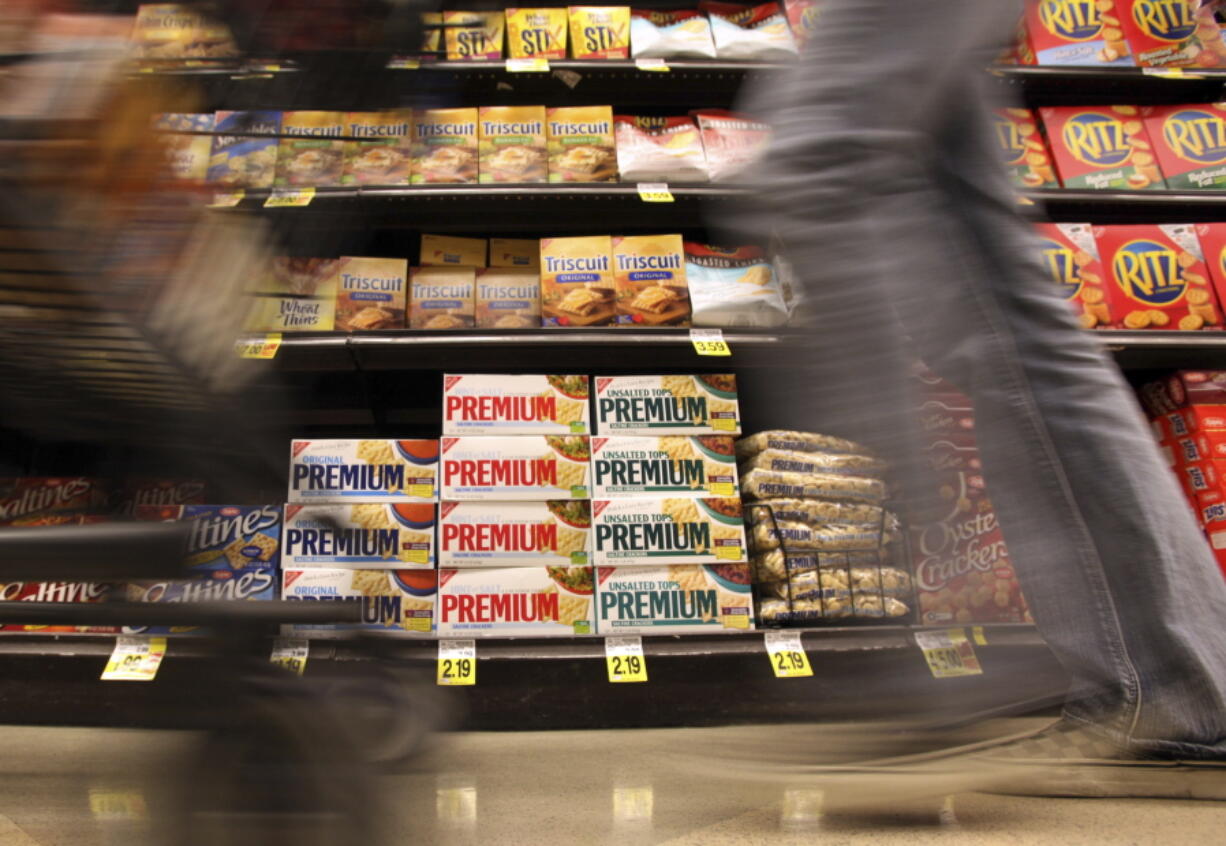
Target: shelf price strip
{"type": "Point", "coordinates": [625, 659]}
{"type": "Point", "coordinates": [528, 65]}
{"type": "Point", "coordinates": [457, 662]}
{"type": "Point", "coordinates": [949, 654]}
{"type": "Point", "coordinates": [227, 199]}
{"type": "Point", "coordinates": [646, 64]}
{"type": "Point", "coordinates": [291, 654]}
{"type": "Point", "coordinates": [654, 192]}
{"type": "Point", "coordinates": [260, 346]}
{"type": "Point", "coordinates": [136, 658]}
{"type": "Point", "coordinates": [787, 656]}
{"type": "Point", "coordinates": [709, 342]}
{"type": "Point", "coordinates": [284, 197]}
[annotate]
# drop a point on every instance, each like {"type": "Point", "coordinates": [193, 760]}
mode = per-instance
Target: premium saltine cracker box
{"type": "Point", "coordinates": [252, 584]}
{"type": "Point", "coordinates": [393, 601]}
{"type": "Point", "coordinates": [502, 404]}
{"type": "Point", "coordinates": [502, 534]}
{"type": "Point", "coordinates": [673, 530]}
{"type": "Point", "coordinates": [677, 599]}
{"type": "Point", "coordinates": [370, 470]}
{"type": "Point", "coordinates": [372, 535]}
{"type": "Point", "coordinates": [531, 467]}
{"type": "Point", "coordinates": [667, 405]}
{"type": "Point", "coordinates": [371, 293]}
{"type": "Point", "coordinates": [674, 465]}
{"type": "Point", "coordinates": [516, 601]}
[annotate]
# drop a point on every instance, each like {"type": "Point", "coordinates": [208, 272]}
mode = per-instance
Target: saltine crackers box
{"type": "Point", "coordinates": [1070, 255]}
{"type": "Point", "coordinates": [581, 144]}
{"type": "Point", "coordinates": [372, 535]}
{"type": "Point", "coordinates": [511, 144]}
{"type": "Point", "coordinates": [252, 584]}
{"type": "Point", "coordinates": [1190, 143]}
{"type": "Point", "coordinates": [599, 32]}
{"type": "Point", "coordinates": [473, 36]}
{"type": "Point", "coordinates": [536, 33]}
{"type": "Point", "coordinates": [701, 404]}
{"type": "Point", "coordinates": [508, 298]}
{"type": "Point", "coordinates": [314, 155]}
{"type": "Point", "coordinates": [1024, 151]}
{"type": "Point", "coordinates": [442, 297]}
{"type": "Point", "coordinates": [650, 282]}
{"type": "Point", "coordinates": [516, 601]}
{"type": "Point", "coordinates": [449, 250]}
{"type": "Point", "coordinates": [577, 287]}
{"type": "Point", "coordinates": [393, 601]}
{"type": "Point", "coordinates": [674, 465]}
{"type": "Point", "coordinates": [369, 470]}
{"type": "Point", "coordinates": [1073, 32]}
{"type": "Point", "coordinates": [1169, 33]}
{"type": "Point", "coordinates": [224, 538]}
{"type": "Point", "coordinates": [1157, 278]}
{"type": "Point", "coordinates": [444, 146]}
{"type": "Point", "coordinates": [523, 467]}
{"type": "Point", "coordinates": [1102, 148]}
{"type": "Point", "coordinates": [385, 156]}
{"type": "Point", "coordinates": [501, 404]}
{"type": "Point", "coordinates": [677, 599]}
{"type": "Point", "coordinates": [673, 530]}
{"type": "Point", "coordinates": [371, 293]}
{"type": "Point", "coordinates": [515, 534]}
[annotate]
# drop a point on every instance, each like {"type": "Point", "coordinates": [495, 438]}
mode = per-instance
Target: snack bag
{"type": "Point", "coordinates": [750, 32]}
{"type": "Point", "coordinates": [736, 287]}
{"type": "Point", "coordinates": [668, 35]}
{"type": "Point", "coordinates": [536, 33]}
{"type": "Point", "coordinates": [1072, 32]}
{"type": "Point", "coordinates": [802, 18]}
{"type": "Point", "coordinates": [315, 156]}
{"type": "Point", "coordinates": [444, 146]}
{"type": "Point", "coordinates": [1168, 33]}
{"type": "Point", "coordinates": [385, 159]}
{"type": "Point", "coordinates": [1190, 142]}
{"type": "Point", "coordinates": [1070, 255]}
{"type": "Point", "coordinates": [511, 144]}
{"type": "Point", "coordinates": [1102, 147]}
{"type": "Point", "coordinates": [732, 142]}
{"type": "Point", "coordinates": [659, 149]}
{"type": "Point", "coordinates": [649, 277]}
{"type": "Point", "coordinates": [1026, 155]}
{"type": "Point", "coordinates": [600, 32]}
{"type": "Point", "coordinates": [473, 36]}
{"type": "Point", "coordinates": [370, 293]}
{"type": "Point", "coordinates": [240, 161]}
{"type": "Point", "coordinates": [577, 287]}
{"type": "Point", "coordinates": [580, 144]}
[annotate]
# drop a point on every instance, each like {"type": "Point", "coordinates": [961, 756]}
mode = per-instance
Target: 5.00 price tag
{"type": "Point", "coordinates": [949, 653]}
{"type": "Point", "coordinates": [457, 662]}
{"type": "Point", "coordinates": [259, 346]}
{"type": "Point", "coordinates": [136, 658]}
{"type": "Point", "coordinates": [290, 654]}
{"type": "Point", "coordinates": [788, 658]}
{"type": "Point", "coordinates": [624, 656]}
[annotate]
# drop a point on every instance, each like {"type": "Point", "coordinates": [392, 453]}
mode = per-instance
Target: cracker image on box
{"type": "Point", "coordinates": [375, 535]}
{"type": "Point", "coordinates": [701, 404]}
{"type": "Point", "coordinates": [526, 601]}
{"type": "Point", "coordinates": [520, 467]}
{"type": "Point", "coordinates": [295, 294]}
{"type": "Point", "coordinates": [676, 599]}
{"type": "Point", "coordinates": [649, 278]}
{"type": "Point", "coordinates": [1102, 147]}
{"type": "Point", "coordinates": [501, 404]}
{"type": "Point", "coordinates": [315, 156]}
{"type": "Point", "coordinates": [393, 601]}
{"type": "Point", "coordinates": [450, 250]}
{"type": "Point", "coordinates": [577, 287]}
{"type": "Point", "coordinates": [1024, 151]}
{"type": "Point", "coordinates": [508, 298]}
{"type": "Point", "coordinates": [501, 534]}
{"type": "Point", "coordinates": [241, 160]}
{"type": "Point", "coordinates": [673, 530]}
{"type": "Point", "coordinates": [515, 252]}
{"type": "Point", "coordinates": [580, 144]}
{"type": "Point", "coordinates": [674, 465]}
{"type": "Point", "coordinates": [511, 144]}
{"type": "Point", "coordinates": [1190, 142]}
{"type": "Point", "coordinates": [599, 32]}
{"type": "Point", "coordinates": [444, 146]}
{"type": "Point", "coordinates": [473, 36]}
{"type": "Point", "coordinates": [536, 33]}
{"type": "Point", "coordinates": [1070, 254]}
{"type": "Point", "coordinates": [363, 471]}
{"type": "Point", "coordinates": [386, 156]}
{"type": "Point", "coordinates": [441, 297]}
{"type": "Point", "coordinates": [370, 293]}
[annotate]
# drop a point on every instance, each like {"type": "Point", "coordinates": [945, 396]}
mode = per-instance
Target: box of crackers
{"type": "Point", "coordinates": [444, 146]}
{"type": "Point", "coordinates": [515, 534]}
{"type": "Point", "coordinates": [1101, 148]}
{"type": "Point", "coordinates": [507, 298]}
{"type": "Point", "coordinates": [511, 144]}
{"type": "Point", "coordinates": [701, 404]}
{"type": "Point", "coordinates": [696, 466]}
{"type": "Point", "coordinates": [672, 530]}
{"type": "Point", "coordinates": [1070, 255]}
{"type": "Point", "coordinates": [473, 36]}
{"type": "Point", "coordinates": [400, 602]}
{"type": "Point", "coordinates": [1212, 238]}
{"type": "Point", "coordinates": [1190, 142]}
{"type": "Point", "coordinates": [677, 599]}
{"type": "Point", "coordinates": [530, 404]}
{"type": "Point", "coordinates": [224, 537]}
{"type": "Point", "coordinates": [577, 286]}
{"type": "Point", "coordinates": [372, 535]}
{"type": "Point", "coordinates": [1025, 152]}
{"type": "Point", "coordinates": [650, 282]}
{"type": "Point", "coordinates": [536, 33]}
{"type": "Point", "coordinates": [520, 601]}
{"type": "Point", "coordinates": [32, 496]}
{"type": "Point", "coordinates": [55, 592]}
{"type": "Point", "coordinates": [524, 467]}
{"type": "Point", "coordinates": [1168, 33]}
{"type": "Point", "coordinates": [1157, 278]}
{"type": "Point", "coordinates": [1073, 32]}
{"type": "Point", "coordinates": [366, 470]}
{"type": "Point", "coordinates": [371, 293]}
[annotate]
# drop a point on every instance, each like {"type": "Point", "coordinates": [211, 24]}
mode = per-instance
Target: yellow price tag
{"type": "Point", "coordinates": [948, 653]}
{"type": "Point", "coordinates": [457, 662]}
{"type": "Point", "coordinates": [531, 64]}
{"type": "Point", "coordinates": [722, 489]}
{"type": "Point", "coordinates": [709, 342]}
{"type": "Point", "coordinates": [787, 655]}
{"type": "Point", "coordinates": [117, 805]}
{"type": "Point", "coordinates": [978, 636]}
{"type": "Point", "coordinates": [136, 658]}
{"type": "Point", "coordinates": [261, 346]}
{"type": "Point", "coordinates": [419, 624]}
{"type": "Point", "coordinates": [421, 491]}
{"type": "Point", "coordinates": [285, 197]}
{"type": "Point", "coordinates": [290, 654]}
{"type": "Point", "coordinates": [735, 621]}
{"type": "Point", "coordinates": [655, 192]}
{"type": "Point", "coordinates": [625, 660]}
{"type": "Point", "coordinates": [729, 553]}
{"type": "Point", "coordinates": [723, 424]}
{"type": "Point", "coordinates": [418, 556]}
{"type": "Point", "coordinates": [227, 199]}
{"type": "Point", "coordinates": [403, 63]}
{"type": "Point", "coordinates": [658, 65]}
{"type": "Point", "coordinates": [1169, 73]}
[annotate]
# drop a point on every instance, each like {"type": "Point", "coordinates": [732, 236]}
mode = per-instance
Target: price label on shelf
{"type": "Point", "coordinates": [978, 636]}
{"type": "Point", "coordinates": [286, 197]}
{"type": "Point", "coordinates": [710, 342]}
{"type": "Point", "coordinates": [658, 65]}
{"type": "Point", "coordinates": [290, 654]}
{"type": "Point", "coordinates": [403, 63]}
{"type": "Point", "coordinates": [227, 199]}
{"type": "Point", "coordinates": [529, 65]}
{"type": "Point", "coordinates": [949, 653]}
{"type": "Point", "coordinates": [457, 662]}
{"type": "Point", "coordinates": [655, 192]}
{"type": "Point", "coordinates": [738, 619]}
{"type": "Point", "coordinates": [787, 656]}
{"type": "Point", "coordinates": [625, 659]}
{"type": "Point", "coordinates": [259, 346]}
{"type": "Point", "coordinates": [136, 658]}
{"type": "Point", "coordinates": [1169, 73]}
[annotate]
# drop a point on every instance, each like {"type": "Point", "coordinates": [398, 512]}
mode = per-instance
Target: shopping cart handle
{"type": "Point", "coordinates": [96, 552]}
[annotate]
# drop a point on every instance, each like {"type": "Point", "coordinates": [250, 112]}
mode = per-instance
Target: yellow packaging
{"type": "Point", "coordinates": [508, 298]}
{"type": "Point", "coordinates": [536, 33]}
{"type": "Point", "coordinates": [370, 293]}
{"type": "Point", "coordinates": [580, 144]}
{"type": "Point", "coordinates": [386, 159]}
{"type": "Point", "coordinates": [314, 156]}
{"type": "Point", "coordinates": [577, 281]}
{"type": "Point", "coordinates": [296, 295]}
{"type": "Point", "coordinates": [600, 32]}
{"type": "Point", "coordinates": [432, 32]}
{"type": "Point", "coordinates": [511, 144]}
{"type": "Point", "coordinates": [444, 146]}
{"type": "Point", "coordinates": [441, 297]}
{"type": "Point", "coordinates": [473, 36]}
{"type": "Point", "coordinates": [649, 278]}
{"type": "Point", "coordinates": [515, 252]}
{"type": "Point", "coordinates": [449, 250]}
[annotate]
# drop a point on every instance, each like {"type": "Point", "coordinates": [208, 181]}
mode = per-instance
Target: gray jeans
{"type": "Point", "coordinates": [887, 188]}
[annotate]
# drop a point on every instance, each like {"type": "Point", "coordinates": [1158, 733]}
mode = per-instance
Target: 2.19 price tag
{"type": "Point", "coordinates": [625, 659]}
{"type": "Point", "coordinates": [136, 658]}
{"type": "Point", "coordinates": [290, 654]}
{"type": "Point", "coordinates": [949, 653]}
{"type": "Point", "coordinates": [457, 662]}
{"type": "Point", "coordinates": [710, 342]}
{"type": "Point", "coordinates": [788, 658]}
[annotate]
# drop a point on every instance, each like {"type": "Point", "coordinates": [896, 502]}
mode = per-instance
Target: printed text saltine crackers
{"type": "Point", "coordinates": [502, 534]}
{"type": "Point", "coordinates": [672, 530]}
{"type": "Point", "coordinates": [678, 599]}
{"type": "Point", "coordinates": [399, 601]}
{"type": "Point", "coordinates": [489, 404]}
{"type": "Point", "coordinates": [1101, 147]}
{"type": "Point", "coordinates": [524, 467]}
{"type": "Point", "coordinates": [1190, 142]}
{"type": "Point", "coordinates": [670, 466]}
{"type": "Point", "coordinates": [667, 405]}
{"type": "Point", "coordinates": [527, 601]}
{"type": "Point", "coordinates": [363, 471]}
{"type": "Point", "coordinates": [1070, 255]}
{"type": "Point", "coordinates": [375, 535]}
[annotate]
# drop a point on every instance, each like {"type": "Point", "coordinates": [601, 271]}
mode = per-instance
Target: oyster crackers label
{"type": "Point", "coordinates": [370, 535]}
{"type": "Point", "coordinates": [674, 466]}
{"type": "Point", "coordinates": [667, 405]}
{"type": "Point", "coordinates": [532, 467]}
{"type": "Point", "coordinates": [487, 404]}
{"type": "Point", "coordinates": [363, 471]}
{"type": "Point", "coordinates": [393, 601]}
{"type": "Point", "coordinates": [1104, 148]}
{"type": "Point", "coordinates": [681, 599]}
{"type": "Point", "coordinates": [676, 530]}
{"type": "Point", "coordinates": [500, 534]}
{"type": "Point", "coordinates": [1190, 142]}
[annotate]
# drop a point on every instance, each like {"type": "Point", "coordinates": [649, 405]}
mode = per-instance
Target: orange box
{"type": "Point", "coordinates": [1169, 33]}
{"type": "Point", "coordinates": [1071, 32]}
{"type": "Point", "coordinates": [1190, 143]}
{"type": "Point", "coordinates": [1101, 147]}
{"type": "Point", "coordinates": [1070, 255]}
{"type": "Point", "coordinates": [1157, 278]}
{"type": "Point", "coordinates": [1025, 152]}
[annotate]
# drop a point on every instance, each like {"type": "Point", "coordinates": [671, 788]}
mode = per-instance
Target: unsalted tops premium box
{"type": "Point", "coordinates": [393, 601]}
{"type": "Point", "coordinates": [375, 535]}
{"type": "Point", "coordinates": [363, 471]}
{"type": "Point", "coordinates": [224, 537]}
{"type": "Point", "coordinates": [676, 530]}
{"type": "Point", "coordinates": [577, 287]}
{"type": "Point", "coordinates": [502, 534]}
{"type": "Point", "coordinates": [371, 293]}
{"type": "Point", "coordinates": [670, 466]}
{"type": "Point", "coordinates": [667, 405]}
{"type": "Point", "coordinates": [1070, 254]}
{"type": "Point", "coordinates": [649, 279]}
{"type": "Point", "coordinates": [1190, 142]}
{"type": "Point", "coordinates": [680, 599]}
{"type": "Point", "coordinates": [1022, 146]}
{"type": "Point", "coordinates": [1074, 32]}
{"type": "Point", "coordinates": [1101, 147]}
{"type": "Point", "coordinates": [523, 601]}
{"type": "Point", "coordinates": [532, 467]}
{"type": "Point", "coordinates": [488, 404]}
{"type": "Point", "coordinates": [1157, 278]}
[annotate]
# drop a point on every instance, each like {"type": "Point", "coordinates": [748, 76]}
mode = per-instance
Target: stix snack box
{"type": "Point", "coordinates": [536, 33]}
{"type": "Point", "coordinates": [502, 534]}
{"type": "Point", "coordinates": [577, 283]}
{"type": "Point", "coordinates": [1190, 142]}
{"type": "Point", "coordinates": [386, 157]}
{"type": "Point", "coordinates": [444, 146]}
{"type": "Point", "coordinates": [511, 144]}
{"type": "Point", "coordinates": [393, 601]}
{"type": "Point", "coordinates": [522, 467]}
{"type": "Point", "coordinates": [1025, 152]}
{"type": "Point", "coordinates": [371, 293]}
{"type": "Point", "coordinates": [363, 471]}
{"type": "Point", "coordinates": [1101, 147]}
{"type": "Point", "coordinates": [1168, 33]}
{"type": "Point", "coordinates": [1070, 255]}
{"type": "Point", "coordinates": [649, 279]}
{"type": "Point", "coordinates": [473, 36]}
{"type": "Point", "coordinates": [524, 601]}
{"type": "Point", "coordinates": [670, 466]}
{"type": "Point", "coordinates": [487, 404]}
{"type": "Point", "coordinates": [372, 535]}
{"type": "Point", "coordinates": [599, 32]}
{"type": "Point", "coordinates": [1157, 278]}
{"type": "Point", "coordinates": [679, 599]}
{"type": "Point", "coordinates": [1073, 32]}
{"type": "Point", "coordinates": [1212, 237]}
{"type": "Point", "coordinates": [580, 142]}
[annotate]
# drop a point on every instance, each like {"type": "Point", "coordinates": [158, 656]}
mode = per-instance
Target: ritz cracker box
{"type": "Point", "coordinates": [1168, 33]}
{"type": "Point", "coordinates": [370, 470]}
{"type": "Point", "coordinates": [1070, 255]}
{"type": "Point", "coordinates": [516, 601]}
{"type": "Point", "coordinates": [1025, 152]}
{"type": "Point", "coordinates": [393, 601]}
{"type": "Point", "coordinates": [1190, 142]}
{"type": "Point", "coordinates": [370, 535]}
{"type": "Point", "coordinates": [1102, 148]}
{"type": "Point", "coordinates": [1212, 238]}
{"type": "Point", "coordinates": [1073, 32]}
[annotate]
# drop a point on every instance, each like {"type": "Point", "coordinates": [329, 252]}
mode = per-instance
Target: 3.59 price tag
{"type": "Point", "coordinates": [290, 654]}
{"type": "Point", "coordinates": [788, 658]}
{"type": "Point", "coordinates": [625, 659]}
{"type": "Point", "coordinates": [457, 662]}
{"type": "Point", "coordinates": [709, 342]}
{"type": "Point", "coordinates": [136, 658]}
{"type": "Point", "coordinates": [949, 653]}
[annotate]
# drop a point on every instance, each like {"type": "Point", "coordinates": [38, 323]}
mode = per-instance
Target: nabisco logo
{"type": "Point", "coordinates": [46, 495]}
{"type": "Point", "coordinates": [951, 549]}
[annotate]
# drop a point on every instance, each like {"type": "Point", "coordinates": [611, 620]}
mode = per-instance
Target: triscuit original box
{"type": "Point", "coordinates": [1025, 152]}
{"type": "Point", "coordinates": [473, 36]}
{"type": "Point", "coordinates": [599, 32]}
{"type": "Point", "coordinates": [577, 287]}
{"type": "Point", "coordinates": [580, 144]}
{"type": "Point", "coordinates": [1073, 32]}
{"type": "Point", "coordinates": [1070, 254]}
{"type": "Point", "coordinates": [521, 467]}
{"type": "Point", "coordinates": [524, 601]}
{"type": "Point", "coordinates": [1101, 147]}
{"type": "Point", "coordinates": [508, 298]}
{"type": "Point", "coordinates": [224, 537]}
{"type": "Point", "coordinates": [1157, 279]}
{"type": "Point", "coordinates": [363, 471]}
{"type": "Point", "coordinates": [315, 155]}
{"type": "Point", "coordinates": [486, 404]}
{"type": "Point", "coordinates": [399, 601]}
{"type": "Point", "coordinates": [444, 146]}
{"type": "Point", "coordinates": [515, 252]}
{"type": "Point", "coordinates": [449, 250]}
{"type": "Point", "coordinates": [676, 530]}
{"type": "Point", "coordinates": [701, 404]}
{"type": "Point", "coordinates": [511, 144]}
{"type": "Point", "coordinates": [502, 534]}
{"type": "Point", "coordinates": [649, 280]}
{"type": "Point", "coordinates": [187, 156]}
{"type": "Point", "coordinates": [1169, 33]}
{"type": "Point", "coordinates": [536, 33]}
{"type": "Point", "coordinates": [386, 157]}
{"type": "Point", "coordinates": [376, 535]}
{"type": "Point", "coordinates": [371, 293]}
{"type": "Point", "coordinates": [1190, 142]}
{"type": "Point", "coordinates": [296, 294]}
{"type": "Point", "coordinates": [700, 466]}
{"type": "Point", "coordinates": [680, 599]}
{"type": "Point", "coordinates": [442, 297]}
{"type": "Point", "coordinates": [240, 160]}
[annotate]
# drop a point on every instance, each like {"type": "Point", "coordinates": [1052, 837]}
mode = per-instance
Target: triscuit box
{"type": "Point", "coordinates": [1157, 278]}
{"type": "Point", "coordinates": [649, 278]}
{"type": "Point", "coordinates": [580, 143]}
{"type": "Point", "coordinates": [240, 160]}
{"type": "Point", "coordinates": [678, 599]}
{"type": "Point", "coordinates": [675, 530]}
{"type": "Point", "coordinates": [523, 601]}
{"type": "Point", "coordinates": [508, 298]}
{"type": "Point", "coordinates": [667, 405]}
{"type": "Point", "coordinates": [502, 534]}
{"type": "Point", "coordinates": [393, 601]}
{"type": "Point", "coordinates": [315, 155]}
{"type": "Point", "coordinates": [1101, 147]}
{"type": "Point", "coordinates": [441, 297]}
{"type": "Point", "coordinates": [577, 287]}
{"type": "Point", "coordinates": [473, 36]}
{"type": "Point", "coordinates": [515, 252]}
{"type": "Point", "coordinates": [387, 157]}
{"type": "Point", "coordinates": [536, 33]}
{"type": "Point", "coordinates": [376, 535]}
{"type": "Point", "coordinates": [363, 471]}
{"type": "Point", "coordinates": [1073, 32]}
{"type": "Point", "coordinates": [487, 404]}
{"type": "Point", "coordinates": [444, 146]}
{"type": "Point", "coordinates": [750, 32]}
{"type": "Point", "coordinates": [228, 538]}
{"type": "Point", "coordinates": [450, 250]}
{"type": "Point", "coordinates": [674, 465]}
{"type": "Point", "coordinates": [684, 33]}
{"type": "Point", "coordinates": [1190, 142]}
{"type": "Point", "coordinates": [296, 294]}
{"type": "Point", "coordinates": [371, 293]}
{"type": "Point", "coordinates": [1070, 255]}
{"type": "Point", "coordinates": [1169, 33]}
{"type": "Point", "coordinates": [187, 156]}
{"type": "Point", "coordinates": [1022, 146]}
{"type": "Point", "coordinates": [511, 144]}
{"type": "Point", "coordinates": [520, 467]}
{"type": "Point", "coordinates": [599, 32]}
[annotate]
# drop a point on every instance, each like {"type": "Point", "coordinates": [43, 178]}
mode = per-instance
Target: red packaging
{"type": "Point", "coordinates": [1212, 237]}
{"type": "Point", "coordinates": [1101, 148]}
{"type": "Point", "coordinates": [1196, 419]}
{"type": "Point", "coordinates": [1156, 278]}
{"type": "Point", "coordinates": [39, 495]}
{"type": "Point", "coordinates": [1195, 387]}
{"type": "Point", "coordinates": [732, 142]}
{"type": "Point", "coordinates": [947, 419]}
{"type": "Point", "coordinates": [1211, 444]}
{"type": "Point", "coordinates": [802, 18]}
{"type": "Point", "coordinates": [1070, 255]}
{"type": "Point", "coordinates": [1190, 143]}
{"type": "Point", "coordinates": [1168, 33]}
{"type": "Point", "coordinates": [145, 491]}
{"type": "Point", "coordinates": [1022, 146]}
{"type": "Point", "coordinates": [1212, 508]}
{"type": "Point", "coordinates": [1071, 32]}
{"type": "Point", "coordinates": [55, 592]}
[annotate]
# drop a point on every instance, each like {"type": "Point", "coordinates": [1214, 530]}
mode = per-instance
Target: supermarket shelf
{"type": "Point", "coordinates": [1161, 350]}
{"type": "Point", "coordinates": [1132, 206]}
{"type": "Point", "coordinates": [1072, 86]}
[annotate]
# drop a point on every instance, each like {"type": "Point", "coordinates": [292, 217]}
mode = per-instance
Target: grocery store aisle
{"type": "Point", "coordinates": [85, 787]}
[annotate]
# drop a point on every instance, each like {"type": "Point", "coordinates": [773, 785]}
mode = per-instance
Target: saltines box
{"type": "Point", "coordinates": [373, 535]}
{"type": "Point", "coordinates": [488, 404]}
{"type": "Point", "coordinates": [524, 601]}
{"type": "Point", "coordinates": [515, 533]}
{"type": "Point", "coordinates": [671, 530]}
{"type": "Point", "coordinates": [673, 465]}
{"type": "Point", "coordinates": [667, 405]}
{"type": "Point", "coordinates": [676, 599]}
{"type": "Point", "coordinates": [528, 467]}
{"type": "Point", "coordinates": [367, 470]}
